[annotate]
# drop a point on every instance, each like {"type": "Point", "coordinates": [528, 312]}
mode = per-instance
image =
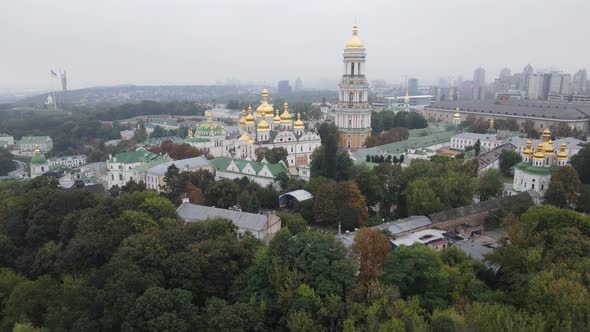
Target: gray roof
{"type": "Point", "coordinates": [300, 195]}
{"type": "Point", "coordinates": [475, 136]}
{"type": "Point", "coordinates": [243, 220]}
{"type": "Point", "coordinates": [519, 108]}
{"type": "Point", "coordinates": [190, 163]}
{"type": "Point", "coordinates": [477, 252]}
{"type": "Point", "coordinates": [404, 225]}
{"type": "Point", "coordinates": [491, 156]}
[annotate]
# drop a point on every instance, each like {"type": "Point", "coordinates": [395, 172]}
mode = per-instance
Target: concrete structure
{"type": "Point", "coordinates": [432, 238]}
{"type": "Point", "coordinates": [69, 161]}
{"type": "Point", "coordinates": [560, 83]}
{"type": "Point", "coordinates": [153, 176]}
{"type": "Point", "coordinates": [576, 99]}
{"type": "Point", "coordinates": [542, 114]}
{"type": "Point", "coordinates": [28, 144]}
{"type": "Point", "coordinates": [463, 140]}
{"type": "Point", "coordinates": [261, 226]}
{"type": "Point", "coordinates": [6, 141]}
{"type": "Point", "coordinates": [283, 87]}
{"type": "Point", "coordinates": [127, 134]}
{"type": "Point", "coordinates": [405, 226]}
{"type": "Point", "coordinates": [479, 77]}
{"type": "Point", "coordinates": [353, 113]}
{"type": "Point", "coordinates": [263, 173]}
{"type": "Point", "coordinates": [121, 167]}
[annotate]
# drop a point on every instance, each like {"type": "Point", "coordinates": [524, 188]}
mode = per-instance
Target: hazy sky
{"type": "Point", "coordinates": [107, 42]}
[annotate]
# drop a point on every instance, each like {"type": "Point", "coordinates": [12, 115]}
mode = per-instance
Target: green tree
{"type": "Point", "coordinates": [418, 271]}
{"type": "Point", "coordinates": [294, 222]}
{"type": "Point", "coordinates": [563, 187]}
{"type": "Point", "coordinates": [421, 199]}
{"type": "Point", "coordinates": [581, 163]}
{"type": "Point", "coordinates": [490, 185]}
{"type": "Point", "coordinates": [222, 194]}
{"type": "Point", "coordinates": [160, 309]}
{"type": "Point", "coordinates": [6, 163]}
{"type": "Point", "coordinates": [508, 159]}
{"type": "Point", "coordinates": [477, 147]}
{"type": "Point", "coordinates": [324, 208]}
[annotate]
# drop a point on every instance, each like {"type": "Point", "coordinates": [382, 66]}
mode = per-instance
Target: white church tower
{"type": "Point", "coordinates": [353, 113]}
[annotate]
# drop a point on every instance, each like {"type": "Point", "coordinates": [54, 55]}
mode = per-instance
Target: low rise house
{"type": "Point", "coordinates": [405, 226]}
{"type": "Point", "coordinates": [68, 161]}
{"type": "Point", "coordinates": [491, 159]}
{"type": "Point", "coordinates": [263, 172]}
{"type": "Point", "coordinates": [122, 167]}
{"type": "Point", "coordinates": [127, 134]}
{"type": "Point", "coordinates": [153, 176]}
{"type": "Point", "coordinates": [261, 226]}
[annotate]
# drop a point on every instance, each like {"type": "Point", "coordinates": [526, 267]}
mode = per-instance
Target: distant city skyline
{"type": "Point", "coordinates": [181, 42]}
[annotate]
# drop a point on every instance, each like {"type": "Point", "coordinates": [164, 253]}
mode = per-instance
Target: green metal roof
{"type": "Point", "coordinates": [155, 162]}
{"type": "Point", "coordinates": [35, 139]}
{"type": "Point", "coordinates": [528, 168]}
{"type": "Point", "coordinates": [196, 140]}
{"type": "Point", "coordinates": [38, 160]}
{"type": "Point", "coordinates": [138, 156]}
{"type": "Point", "coordinates": [223, 163]}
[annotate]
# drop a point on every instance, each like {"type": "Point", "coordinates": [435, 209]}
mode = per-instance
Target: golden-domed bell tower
{"type": "Point", "coordinates": [353, 113]}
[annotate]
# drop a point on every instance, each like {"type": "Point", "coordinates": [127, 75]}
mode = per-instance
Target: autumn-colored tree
{"type": "Point", "coordinates": [324, 209]}
{"type": "Point", "coordinates": [350, 197]}
{"type": "Point", "coordinates": [195, 194]}
{"type": "Point", "coordinates": [369, 249]}
{"type": "Point", "coordinates": [390, 136]}
{"type": "Point", "coordinates": [178, 151]}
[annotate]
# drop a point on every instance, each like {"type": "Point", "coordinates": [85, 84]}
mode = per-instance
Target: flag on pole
{"type": "Point", "coordinates": [53, 73]}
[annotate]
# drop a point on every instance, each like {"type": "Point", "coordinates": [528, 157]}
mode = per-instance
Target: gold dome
{"type": "Point", "coordinates": [548, 147]}
{"type": "Point", "coordinates": [242, 118]}
{"type": "Point", "coordinates": [562, 154]}
{"type": "Point", "coordinates": [245, 137]}
{"type": "Point", "coordinates": [298, 124]}
{"type": "Point", "coordinates": [528, 150]}
{"type": "Point", "coordinates": [264, 109]}
{"type": "Point", "coordinates": [456, 116]}
{"type": "Point", "coordinates": [539, 152]}
{"type": "Point", "coordinates": [286, 116]}
{"type": "Point", "coordinates": [263, 125]}
{"type": "Point", "coordinates": [250, 117]}
{"type": "Point", "coordinates": [251, 141]}
{"type": "Point", "coordinates": [277, 118]}
{"type": "Point", "coordinates": [355, 41]}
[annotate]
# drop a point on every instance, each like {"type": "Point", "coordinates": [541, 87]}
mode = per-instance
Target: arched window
{"type": "Point", "coordinates": [361, 96]}
{"type": "Point", "coordinates": [352, 69]}
{"type": "Point", "coordinates": [350, 97]}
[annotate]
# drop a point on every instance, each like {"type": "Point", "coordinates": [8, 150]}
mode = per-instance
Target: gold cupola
{"type": "Point", "coordinates": [263, 125]}
{"type": "Point", "coordinates": [264, 109]}
{"type": "Point", "coordinates": [548, 148]}
{"type": "Point", "coordinates": [355, 41]}
{"type": "Point", "coordinates": [285, 117]}
{"type": "Point", "coordinates": [528, 151]}
{"type": "Point", "coordinates": [299, 124]}
{"type": "Point", "coordinates": [562, 155]}
{"type": "Point", "coordinates": [546, 135]}
{"type": "Point", "coordinates": [456, 116]}
{"type": "Point", "coordinates": [277, 118]}
{"type": "Point", "coordinates": [538, 153]}
{"type": "Point", "coordinates": [242, 117]}
{"type": "Point", "coordinates": [245, 137]}
{"type": "Point", "coordinates": [249, 117]}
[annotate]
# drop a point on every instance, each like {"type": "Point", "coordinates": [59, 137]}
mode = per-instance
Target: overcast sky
{"type": "Point", "coordinates": [108, 42]}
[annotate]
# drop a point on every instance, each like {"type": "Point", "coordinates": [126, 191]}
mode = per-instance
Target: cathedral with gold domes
{"type": "Point", "coordinates": [266, 127]}
{"type": "Point", "coordinates": [538, 164]}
